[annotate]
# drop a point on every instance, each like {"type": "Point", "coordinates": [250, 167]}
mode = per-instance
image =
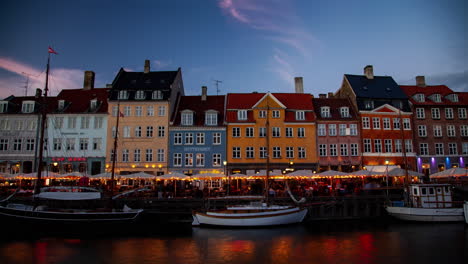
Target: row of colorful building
{"type": "Point", "coordinates": [369, 122]}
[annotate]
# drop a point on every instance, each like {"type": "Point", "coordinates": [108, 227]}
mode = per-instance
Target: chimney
{"type": "Point", "coordinates": [330, 95]}
{"type": "Point", "coordinates": [204, 90]}
{"type": "Point", "coordinates": [88, 83]}
{"type": "Point", "coordinates": [147, 66]}
{"type": "Point", "coordinates": [369, 72]}
{"type": "Point", "coordinates": [298, 84]}
{"type": "Point", "coordinates": [420, 81]}
{"type": "Point", "coordinates": [322, 96]}
{"type": "Point", "coordinates": [38, 93]}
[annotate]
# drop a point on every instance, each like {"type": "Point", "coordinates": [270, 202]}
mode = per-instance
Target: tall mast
{"type": "Point", "coordinates": [37, 188]}
{"type": "Point", "coordinates": [267, 127]}
{"type": "Point", "coordinates": [403, 145]}
{"type": "Point", "coordinates": [114, 156]}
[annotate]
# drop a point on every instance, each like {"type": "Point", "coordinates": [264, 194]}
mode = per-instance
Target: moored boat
{"type": "Point", "coordinates": [465, 210]}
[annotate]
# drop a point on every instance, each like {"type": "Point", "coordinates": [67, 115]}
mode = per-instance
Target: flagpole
{"type": "Point", "coordinates": [114, 157]}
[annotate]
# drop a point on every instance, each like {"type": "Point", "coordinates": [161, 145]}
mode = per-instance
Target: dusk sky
{"type": "Point", "coordinates": [249, 45]}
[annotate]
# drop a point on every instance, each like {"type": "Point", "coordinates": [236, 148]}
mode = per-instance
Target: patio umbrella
{"type": "Point", "coordinates": [104, 175]}
{"type": "Point", "coordinates": [140, 175]}
{"type": "Point", "coordinates": [401, 172]}
{"type": "Point", "coordinates": [209, 176]}
{"type": "Point", "coordinates": [304, 173]}
{"type": "Point", "coordinates": [367, 173]}
{"type": "Point", "coordinates": [331, 173]}
{"type": "Point", "coordinates": [173, 176]}
{"type": "Point", "coordinates": [453, 172]}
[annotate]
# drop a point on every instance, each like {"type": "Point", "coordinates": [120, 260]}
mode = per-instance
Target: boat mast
{"type": "Point", "coordinates": [114, 156]}
{"type": "Point", "coordinates": [267, 128]}
{"type": "Point", "coordinates": [37, 188]}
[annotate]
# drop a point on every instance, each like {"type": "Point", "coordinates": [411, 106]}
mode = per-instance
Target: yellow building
{"type": "Point", "coordinates": [283, 121]}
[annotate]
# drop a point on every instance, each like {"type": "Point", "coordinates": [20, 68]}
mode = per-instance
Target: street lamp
{"type": "Point", "coordinates": [227, 174]}
{"type": "Point", "coordinates": [386, 174]}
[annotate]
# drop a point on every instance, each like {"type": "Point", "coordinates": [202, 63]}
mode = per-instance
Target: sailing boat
{"type": "Point", "coordinates": [430, 202]}
{"type": "Point", "coordinates": [257, 214]}
{"type": "Point", "coordinates": [41, 213]}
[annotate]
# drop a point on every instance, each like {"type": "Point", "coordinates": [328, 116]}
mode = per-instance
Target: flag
{"type": "Point", "coordinates": [51, 50]}
{"type": "Point", "coordinates": [121, 114]}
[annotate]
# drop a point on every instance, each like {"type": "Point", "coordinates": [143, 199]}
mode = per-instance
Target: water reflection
{"type": "Point", "coordinates": [398, 243]}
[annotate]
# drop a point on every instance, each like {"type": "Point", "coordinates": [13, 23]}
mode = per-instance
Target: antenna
{"type": "Point", "coordinates": [216, 83]}
{"type": "Point", "coordinates": [26, 83]}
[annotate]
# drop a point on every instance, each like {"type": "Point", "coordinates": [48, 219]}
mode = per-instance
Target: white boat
{"type": "Point", "coordinates": [465, 209]}
{"type": "Point", "coordinates": [427, 203]}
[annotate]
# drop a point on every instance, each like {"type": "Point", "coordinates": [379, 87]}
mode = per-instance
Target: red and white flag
{"type": "Point", "coordinates": [51, 50]}
{"type": "Point", "coordinates": [121, 114]}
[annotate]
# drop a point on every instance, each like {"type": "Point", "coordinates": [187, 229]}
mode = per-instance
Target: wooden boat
{"type": "Point", "coordinates": [465, 210]}
{"type": "Point", "coordinates": [427, 203]}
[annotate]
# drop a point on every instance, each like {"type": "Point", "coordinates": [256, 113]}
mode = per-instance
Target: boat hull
{"type": "Point", "coordinates": [267, 218]}
{"type": "Point", "coordinates": [465, 210]}
{"type": "Point", "coordinates": [426, 214]}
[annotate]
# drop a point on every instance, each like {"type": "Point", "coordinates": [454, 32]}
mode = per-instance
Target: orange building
{"type": "Point", "coordinates": [283, 121]}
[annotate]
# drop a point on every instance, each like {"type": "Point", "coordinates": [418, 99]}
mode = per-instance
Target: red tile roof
{"type": "Point", "coordinates": [199, 107]}
{"type": "Point", "coordinates": [411, 90]}
{"type": "Point", "coordinates": [78, 100]}
{"type": "Point", "coordinates": [334, 104]}
{"type": "Point", "coordinates": [16, 102]}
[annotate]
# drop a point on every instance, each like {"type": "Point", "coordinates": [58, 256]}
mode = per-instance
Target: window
{"type": "Point", "coordinates": [376, 123]}
{"type": "Point", "coordinates": [465, 148]}
{"type": "Point", "coordinates": [276, 152]}
{"type": "Point", "coordinates": [112, 155]}
{"type": "Point", "coordinates": [325, 112]}
{"type": "Point", "coordinates": [84, 143]}
{"type": "Point", "coordinates": [149, 131]}
{"type": "Point", "coordinates": [140, 95]}
{"type": "Point", "coordinates": [452, 148]}
{"type": "Point", "coordinates": [396, 123]}
{"type": "Point", "coordinates": [301, 152]}
{"type": "Point", "coordinates": [178, 139]}
{"type": "Point", "coordinates": [97, 143]}
{"type": "Point", "coordinates": [436, 98]}
{"type": "Point", "coordinates": [149, 155]}
{"type": "Point", "coordinates": [452, 97]}
{"type": "Point", "coordinates": [123, 94]}
{"type": "Point", "coordinates": [462, 113]}
{"type": "Point", "coordinates": [344, 112]}
{"type": "Point", "coordinates": [333, 150]}
{"type": "Point", "coordinates": [211, 118]}
{"type": "Point", "coordinates": [437, 131]}
{"type": "Point", "coordinates": [150, 111]}
{"type": "Point", "coordinates": [448, 113]}
{"type": "Point", "coordinates": [115, 110]}
{"type": "Point", "coordinates": [125, 155]}
{"type": "Point", "coordinates": [388, 145]}
{"type": "Point", "coordinates": [342, 129]}
{"type": "Point", "coordinates": [367, 145]}
{"type": "Point", "coordinates": [464, 130]}
{"type": "Point", "coordinates": [365, 123]}
{"type": "Point", "coordinates": [162, 110]}
{"type": "Point", "coordinates": [84, 122]}
{"type": "Point", "coordinates": [188, 159]}
{"type": "Point", "coordinates": [236, 132]}
{"type": "Point", "coordinates": [322, 130]}
{"type": "Point", "coordinates": [157, 95]}
{"type": "Point", "coordinates": [322, 150]}
{"type": "Point", "coordinates": [262, 114]}
{"type": "Point", "coordinates": [177, 159]}
{"type": "Point", "coordinates": [70, 144]}
{"type": "Point", "coordinates": [5, 124]}
{"type": "Point", "coordinates": [353, 129]}
{"type": "Point", "coordinates": [249, 152]}
{"type": "Point", "coordinates": [58, 123]}
{"type": "Point", "coordinates": [200, 159]}
{"type": "Point", "coordinates": [276, 131]}
{"type": "Point", "coordinates": [289, 132]}
{"type": "Point", "coordinates": [57, 144]}
{"type": "Point", "coordinates": [137, 155]}
{"type": "Point", "coordinates": [451, 131]}
{"type": "Point", "coordinates": [422, 131]}
{"type": "Point", "coordinates": [420, 113]}
{"type": "Point", "coordinates": [343, 150]}
{"type": "Point", "coordinates": [439, 149]}
{"type": "Point", "coordinates": [188, 139]}
{"type": "Point", "coordinates": [263, 152]}
{"type": "Point", "coordinates": [301, 132]}
{"type": "Point", "coordinates": [138, 131]}
{"type": "Point", "coordinates": [30, 143]}
{"type": "Point", "coordinates": [3, 107]}
{"type": "Point", "coordinates": [242, 115]}
{"type": "Point", "coordinates": [127, 111]}
{"type": "Point", "coordinates": [354, 149]}
{"type": "Point", "coordinates": [398, 146]}
{"type": "Point", "coordinates": [368, 104]}
{"type": "Point", "coordinates": [27, 107]}
{"type": "Point", "coordinates": [216, 160]}
{"type": "Point", "coordinates": [262, 132]}
{"type": "Point", "coordinates": [187, 118]}
{"type": "Point", "coordinates": [289, 152]}
{"type": "Point", "coordinates": [300, 115]}
{"type": "Point", "coordinates": [161, 131]}
{"type": "Point", "coordinates": [200, 138]}
{"type": "Point", "coordinates": [3, 144]}
{"type": "Point", "coordinates": [435, 113]}
{"type": "Point", "coordinates": [332, 129]}
{"type": "Point", "coordinates": [419, 98]}
{"type": "Point", "coordinates": [236, 153]}
{"type": "Point", "coordinates": [386, 123]}
{"type": "Point", "coordinates": [216, 138]}
{"type": "Point", "coordinates": [276, 114]}
{"type": "Point", "coordinates": [138, 110]}
{"type": "Point", "coordinates": [126, 131]}
{"type": "Point", "coordinates": [98, 121]}
{"type": "Point", "coordinates": [423, 149]}
{"type": "Point", "coordinates": [378, 145]}
{"type": "Point", "coordinates": [114, 132]}
{"type": "Point", "coordinates": [249, 132]}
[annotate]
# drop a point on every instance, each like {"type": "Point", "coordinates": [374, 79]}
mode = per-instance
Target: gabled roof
{"type": "Point", "coordinates": [411, 90]}
{"type": "Point", "coordinates": [335, 104]}
{"type": "Point", "coordinates": [15, 104]}
{"type": "Point", "coordinates": [383, 87]}
{"type": "Point", "coordinates": [199, 107]}
{"type": "Point", "coordinates": [78, 100]}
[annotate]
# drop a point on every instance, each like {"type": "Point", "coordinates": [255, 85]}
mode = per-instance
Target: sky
{"type": "Point", "coordinates": [246, 45]}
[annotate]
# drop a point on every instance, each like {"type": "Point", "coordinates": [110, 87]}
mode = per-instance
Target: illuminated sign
{"type": "Point", "coordinates": [69, 159]}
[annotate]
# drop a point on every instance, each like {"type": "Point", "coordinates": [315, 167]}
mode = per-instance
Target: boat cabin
{"type": "Point", "coordinates": [431, 195]}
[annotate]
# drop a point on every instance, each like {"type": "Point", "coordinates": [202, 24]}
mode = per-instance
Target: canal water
{"type": "Point", "coordinates": [337, 242]}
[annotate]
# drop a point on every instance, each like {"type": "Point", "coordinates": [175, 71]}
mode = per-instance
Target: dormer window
{"type": "Point", "coordinates": [93, 104]}
{"type": "Point", "coordinates": [344, 111]}
{"type": "Point", "coordinates": [242, 115]}
{"type": "Point", "coordinates": [61, 105]}
{"type": "Point", "coordinates": [452, 97]}
{"type": "Point", "coordinates": [419, 98]}
{"type": "Point", "coordinates": [300, 115]}
{"type": "Point", "coordinates": [325, 112]}
{"type": "Point", "coordinates": [369, 104]}
{"type": "Point", "coordinates": [436, 98]}
{"type": "Point", "coordinates": [140, 95]}
{"type": "Point", "coordinates": [211, 118]}
{"type": "Point", "coordinates": [28, 107]}
{"type": "Point", "coordinates": [157, 94]}
{"type": "Point", "coordinates": [123, 94]}
{"type": "Point", "coordinates": [3, 107]}
{"type": "Point", "coordinates": [187, 118]}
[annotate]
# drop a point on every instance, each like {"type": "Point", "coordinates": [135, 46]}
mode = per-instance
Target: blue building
{"type": "Point", "coordinates": [197, 142]}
